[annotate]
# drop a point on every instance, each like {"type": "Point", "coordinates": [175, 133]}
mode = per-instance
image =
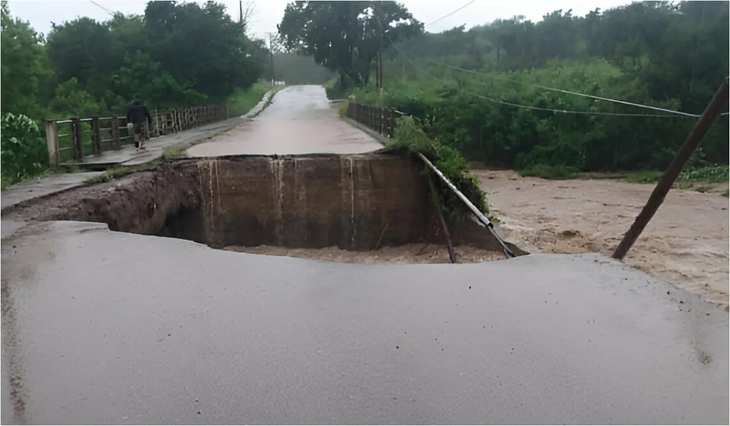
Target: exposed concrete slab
{"type": "Point", "coordinates": [300, 120]}
{"type": "Point", "coordinates": [36, 188]}
{"type": "Point", "coordinates": [155, 330]}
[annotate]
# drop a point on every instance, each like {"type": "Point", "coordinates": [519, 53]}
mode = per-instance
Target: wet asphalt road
{"type": "Point", "coordinates": [300, 120]}
{"type": "Point", "coordinates": [102, 327]}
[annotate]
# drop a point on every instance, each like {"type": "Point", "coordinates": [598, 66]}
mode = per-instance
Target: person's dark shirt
{"type": "Point", "coordinates": [138, 112]}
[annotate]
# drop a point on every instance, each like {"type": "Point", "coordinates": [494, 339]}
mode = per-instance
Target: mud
{"type": "Point", "coordinates": [405, 254]}
{"type": "Point", "coordinates": [686, 243]}
{"type": "Point", "coordinates": [138, 203]}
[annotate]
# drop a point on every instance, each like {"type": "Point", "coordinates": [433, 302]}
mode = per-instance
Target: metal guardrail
{"type": "Point", "coordinates": [384, 121]}
{"type": "Point", "coordinates": [93, 135]}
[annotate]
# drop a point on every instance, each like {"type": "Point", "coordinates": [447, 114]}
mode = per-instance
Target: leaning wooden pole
{"type": "Point", "coordinates": [714, 109]}
{"type": "Point", "coordinates": [444, 228]}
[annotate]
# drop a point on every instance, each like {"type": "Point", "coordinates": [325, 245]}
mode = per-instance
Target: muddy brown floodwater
{"type": "Point", "coordinates": [686, 243]}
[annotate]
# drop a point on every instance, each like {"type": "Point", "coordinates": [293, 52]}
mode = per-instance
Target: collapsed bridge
{"type": "Point", "coordinates": [357, 202]}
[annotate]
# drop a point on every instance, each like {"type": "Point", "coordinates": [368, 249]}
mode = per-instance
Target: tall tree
{"type": "Point", "coordinates": [345, 37]}
{"type": "Point", "coordinates": [25, 73]}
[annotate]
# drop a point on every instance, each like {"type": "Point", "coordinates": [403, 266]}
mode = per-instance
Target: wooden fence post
{"type": "Point", "coordinates": [116, 137]}
{"type": "Point", "coordinates": [76, 138]}
{"type": "Point", "coordinates": [380, 119]}
{"type": "Point", "coordinates": [713, 110]}
{"type": "Point", "coordinates": [54, 152]}
{"type": "Point", "coordinates": [95, 135]}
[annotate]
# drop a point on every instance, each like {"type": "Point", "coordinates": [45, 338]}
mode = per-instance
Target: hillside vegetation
{"type": "Point", "coordinates": [174, 55]}
{"type": "Point", "coordinates": [475, 89]}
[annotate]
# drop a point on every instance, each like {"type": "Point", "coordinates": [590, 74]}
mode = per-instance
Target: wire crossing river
{"type": "Point", "coordinates": [300, 120]}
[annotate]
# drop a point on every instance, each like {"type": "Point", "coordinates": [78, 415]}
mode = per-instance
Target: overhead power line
{"type": "Point", "coordinates": [107, 10]}
{"type": "Point", "coordinates": [498, 101]}
{"type": "Point", "coordinates": [568, 92]}
{"type": "Point", "coordinates": [674, 114]}
{"type": "Point", "coordinates": [446, 16]}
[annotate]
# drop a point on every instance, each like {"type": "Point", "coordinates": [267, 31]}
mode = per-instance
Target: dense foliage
{"type": "Point", "coordinates": [345, 37]}
{"type": "Point", "coordinates": [23, 148]}
{"type": "Point", "coordinates": [177, 54]}
{"type": "Point", "coordinates": [667, 55]}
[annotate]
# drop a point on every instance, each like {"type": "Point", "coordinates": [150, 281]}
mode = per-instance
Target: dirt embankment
{"type": "Point", "coordinates": [138, 203]}
{"type": "Point", "coordinates": [686, 243]}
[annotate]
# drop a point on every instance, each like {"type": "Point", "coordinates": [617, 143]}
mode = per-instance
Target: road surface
{"type": "Point", "coordinates": [102, 327]}
{"type": "Point", "coordinates": [300, 120]}
{"type": "Point", "coordinates": [164, 331]}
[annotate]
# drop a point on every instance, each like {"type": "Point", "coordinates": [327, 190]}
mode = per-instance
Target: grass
{"type": "Point", "coordinates": [243, 101]}
{"type": "Point", "coordinates": [545, 171]}
{"type": "Point", "coordinates": [709, 174]}
{"type": "Point", "coordinates": [644, 177]}
{"type": "Point", "coordinates": [173, 152]}
{"type": "Point", "coordinates": [342, 109]}
{"type": "Point", "coordinates": [118, 172]}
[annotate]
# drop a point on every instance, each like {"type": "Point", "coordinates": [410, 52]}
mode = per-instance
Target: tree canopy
{"type": "Point", "coordinates": [175, 54]}
{"type": "Point", "coordinates": [670, 55]}
{"type": "Point", "coordinates": [345, 37]}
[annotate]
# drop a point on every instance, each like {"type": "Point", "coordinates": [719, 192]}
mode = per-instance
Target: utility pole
{"type": "Point", "coordinates": [240, 18]}
{"type": "Point", "coordinates": [271, 52]}
{"type": "Point", "coordinates": [377, 13]}
{"type": "Point", "coordinates": [713, 110]}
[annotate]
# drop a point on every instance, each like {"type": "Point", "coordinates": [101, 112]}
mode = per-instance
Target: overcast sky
{"type": "Point", "coordinates": [269, 12]}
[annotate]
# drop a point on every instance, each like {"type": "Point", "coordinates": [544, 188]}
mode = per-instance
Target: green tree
{"type": "Point", "coordinates": [345, 37]}
{"type": "Point", "coordinates": [25, 73]}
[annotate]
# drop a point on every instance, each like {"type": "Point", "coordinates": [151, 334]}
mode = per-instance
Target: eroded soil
{"type": "Point", "coordinates": [686, 243]}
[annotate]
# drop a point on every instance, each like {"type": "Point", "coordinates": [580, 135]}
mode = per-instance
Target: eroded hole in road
{"type": "Point", "coordinates": [370, 208]}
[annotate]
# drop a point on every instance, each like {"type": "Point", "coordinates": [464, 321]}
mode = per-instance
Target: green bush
{"type": "Point", "coordinates": [548, 172]}
{"type": "Point", "coordinates": [24, 152]}
{"type": "Point", "coordinates": [713, 174]}
{"type": "Point", "coordinates": [410, 137]}
{"type": "Point", "coordinates": [457, 112]}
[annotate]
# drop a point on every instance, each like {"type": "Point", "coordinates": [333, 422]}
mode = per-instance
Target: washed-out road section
{"type": "Point", "coordinates": [104, 327]}
{"type": "Point", "coordinates": [163, 331]}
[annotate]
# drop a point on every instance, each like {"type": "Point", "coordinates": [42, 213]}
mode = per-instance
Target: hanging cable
{"type": "Point", "coordinates": [600, 98]}
{"type": "Point", "coordinates": [528, 106]}
{"type": "Point", "coordinates": [446, 16]}
{"type": "Point", "coordinates": [105, 9]}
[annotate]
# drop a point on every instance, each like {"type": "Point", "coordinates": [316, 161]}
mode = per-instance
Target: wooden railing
{"type": "Point", "coordinates": [75, 138]}
{"type": "Point", "coordinates": [380, 119]}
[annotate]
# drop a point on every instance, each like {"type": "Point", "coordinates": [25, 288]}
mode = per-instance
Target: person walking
{"type": "Point", "coordinates": [139, 116]}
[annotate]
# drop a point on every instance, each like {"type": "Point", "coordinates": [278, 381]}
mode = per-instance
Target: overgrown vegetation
{"type": "Point", "coordinates": [474, 89]}
{"type": "Point", "coordinates": [242, 101]}
{"type": "Point", "coordinates": [708, 174]}
{"type": "Point", "coordinates": [24, 152]}
{"type": "Point", "coordinates": [410, 137]}
{"type": "Point", "coordinates": [174, 55]}
{"type": "Point", "coordinates": [119, 172]}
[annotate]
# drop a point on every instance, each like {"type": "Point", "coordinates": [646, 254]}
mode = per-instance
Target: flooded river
{"type": "Point", "coordinates": [686, 243]}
